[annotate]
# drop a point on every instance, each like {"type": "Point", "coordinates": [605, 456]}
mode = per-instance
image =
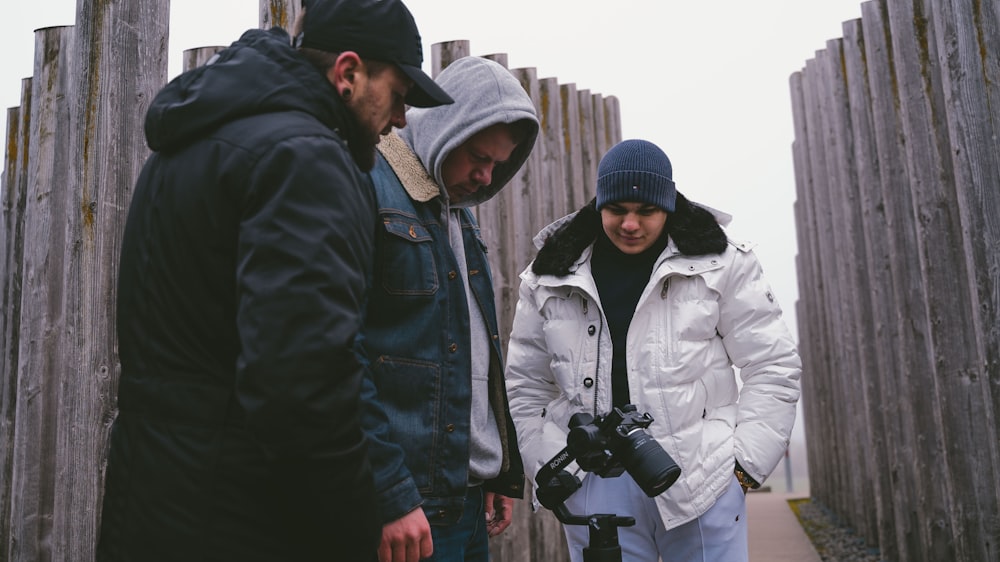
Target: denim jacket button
{"type": "Point", "coordinates": [453, 347]}
{"type": "Point", "coordinates": [450, 427]}
{"type": "Point", "coordinates": [452, 275]}
{"type": "Point", "coordinates": [588, 382]}
{"type": "Point", "coordinates": [591, 330]}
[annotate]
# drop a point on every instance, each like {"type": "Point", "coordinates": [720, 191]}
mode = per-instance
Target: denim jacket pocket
{"type": "Point", "coordinates": [406, 257]}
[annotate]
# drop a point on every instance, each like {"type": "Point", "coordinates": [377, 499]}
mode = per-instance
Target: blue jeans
{"type": "Point", "coordinates": [467, 539]}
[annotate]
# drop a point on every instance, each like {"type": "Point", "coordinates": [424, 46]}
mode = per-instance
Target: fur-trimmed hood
{"type": "Point", "coordinates": [694, 230]}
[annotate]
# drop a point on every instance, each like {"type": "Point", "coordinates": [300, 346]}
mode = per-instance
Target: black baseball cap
{"type": "Point", "coordinates": [381, 30]}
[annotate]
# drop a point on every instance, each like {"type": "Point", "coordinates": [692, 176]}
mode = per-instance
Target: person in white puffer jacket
{"type": "Point", "coordinates": [641, 298]}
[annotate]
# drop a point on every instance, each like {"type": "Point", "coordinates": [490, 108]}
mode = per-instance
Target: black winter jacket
{"type": "Point", "coordinates": [241, 281]}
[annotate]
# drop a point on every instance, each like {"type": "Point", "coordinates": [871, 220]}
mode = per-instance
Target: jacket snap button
{"type": "Point", "coordinates": [413, 233]}
{"type": "Point", "coordinates": [450, 427]}
{"type": "Point", "coordinates": [588, 382]}
{"type": "Point", "coordinates": [591, 330]}
{"type": "Point", "coordinates": [452, 275]}
{"type": "Point", "coordinates": [453, 347]}
{"type": "Point", "coordinates": [691, 268]}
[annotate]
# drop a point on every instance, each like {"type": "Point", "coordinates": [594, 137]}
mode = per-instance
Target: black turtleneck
{"type": "Point", "coordinates": [620, 279]}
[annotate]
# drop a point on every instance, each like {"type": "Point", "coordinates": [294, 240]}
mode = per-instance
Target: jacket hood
{"type": "Point", "coordinates": [693, 229]}
{"type": "Point", "coordinates": [485, 94]}
{"type": "Point", "coordinates": [259, 73]}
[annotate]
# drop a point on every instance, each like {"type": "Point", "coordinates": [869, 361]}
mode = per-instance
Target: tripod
{"type": "Point", "coordinates": [593, 442]}
{"type": "Point", "coordinates": [603, 546]}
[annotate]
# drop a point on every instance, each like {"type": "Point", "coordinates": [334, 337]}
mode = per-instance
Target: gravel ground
{"type": "Point", "coordinates": [834, 542]}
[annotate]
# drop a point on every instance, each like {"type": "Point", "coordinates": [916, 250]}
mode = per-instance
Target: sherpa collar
{"type": "Point", "coordinates": [411, 173]}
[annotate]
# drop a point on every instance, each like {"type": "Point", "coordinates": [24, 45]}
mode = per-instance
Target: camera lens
{"type": "Point", "coordinates": [650, 466]}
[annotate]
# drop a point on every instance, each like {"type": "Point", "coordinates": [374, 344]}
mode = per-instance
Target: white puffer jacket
{"type": "Point", "coordinates": [697, 318]}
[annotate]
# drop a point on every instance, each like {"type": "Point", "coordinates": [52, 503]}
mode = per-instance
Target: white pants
{"type": "Point", "coordinates": [720, 534]}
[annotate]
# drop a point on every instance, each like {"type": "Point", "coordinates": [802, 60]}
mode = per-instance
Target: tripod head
{"type": "Point", "coordinates": [555, 485]}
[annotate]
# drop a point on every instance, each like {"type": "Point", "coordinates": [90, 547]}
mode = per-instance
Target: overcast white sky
{"type": "Point", "coordinates": [707, 81]}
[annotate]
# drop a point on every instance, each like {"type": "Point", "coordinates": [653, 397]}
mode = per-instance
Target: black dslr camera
{"type": "Point", "coordinates": [607, 446]}
{"type": "Point", "coordinates": [616, 442]}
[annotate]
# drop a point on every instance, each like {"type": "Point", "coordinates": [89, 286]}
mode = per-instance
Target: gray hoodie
{"type": "Point", "coordinates": [485, 94]}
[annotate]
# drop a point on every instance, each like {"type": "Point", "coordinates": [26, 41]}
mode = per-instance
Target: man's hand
{"type": "Point", "coordinates": [407, 539]}
{"type": "Point", "coordinates": [499, 510]}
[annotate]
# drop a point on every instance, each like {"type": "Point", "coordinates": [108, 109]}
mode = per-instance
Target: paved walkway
{"type": "Point", "coordinates": [775, 532]}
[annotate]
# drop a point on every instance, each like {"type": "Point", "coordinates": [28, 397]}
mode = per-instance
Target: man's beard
{"type": "Point", "coordinates": [361, 141]}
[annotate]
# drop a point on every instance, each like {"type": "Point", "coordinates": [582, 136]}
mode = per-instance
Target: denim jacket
{"type": "Point", "coordinates": [416, 341]}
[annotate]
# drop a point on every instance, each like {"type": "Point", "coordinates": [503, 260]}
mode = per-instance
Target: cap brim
{"type": "Point", "coordinates": [425, 92]}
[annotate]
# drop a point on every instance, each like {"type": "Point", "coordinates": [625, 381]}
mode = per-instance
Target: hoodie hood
{"type": "Point", "coordinates": [485, 94]}
{"type": "Point", "coordinates": [259, 73]}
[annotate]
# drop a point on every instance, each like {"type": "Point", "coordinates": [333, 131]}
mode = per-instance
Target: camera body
{"type": "Point", "coordinates": [615, 442]}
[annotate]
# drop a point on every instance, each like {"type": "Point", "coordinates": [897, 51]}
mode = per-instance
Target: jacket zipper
{"type": "Point", "coordinates": [663, 296]}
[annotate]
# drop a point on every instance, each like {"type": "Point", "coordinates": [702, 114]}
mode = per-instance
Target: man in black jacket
{"type": "Point", "coordinates": [241, 281]}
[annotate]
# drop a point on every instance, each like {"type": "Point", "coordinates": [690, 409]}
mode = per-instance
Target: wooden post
{"type": "Point", "coordinates": [279, 13]}
{"type": "Point", "coordinates": [43, 341]}
{"type": "Point", "coordinates": [875, 302]}
{"type": "Point", "coordinates": [823, 325]}
{"type": "Point", "coordinates": [109, 149]}
{"type": "Point", "coordinates": [443, 54]}
{"type": "Point", "coordinates": [14, 198]}
{"type": "Point", "coordinates": [957, 524]}
{"type": "Point", "coordinates": [612, 121]}
{"type": "Point", "coordinates": [553, 186]}
{"type": "Point", "coordinates": [912, 375]}
{"type": "Point", "coordinates": [573, 167]}
{"type": "Point", "coordinates": [499, 58]}
{"type": "Point", "coordinates": [809, 310]}
{"type": "Point", "coordinates": [8, 384]}
{"type": "Point", "coordinates": [588, 144]}
{"type": "Point", "coordinates": [531, 209]}
{"type": "Point", "coordinates": [601, 135]}
{"type": "Point", "coordinates": [968, 47]}
{"type": "Point", "coordinates": [861, 398]}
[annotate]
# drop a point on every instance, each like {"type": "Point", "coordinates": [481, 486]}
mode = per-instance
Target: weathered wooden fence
{"type": "Point", "coordinates": [897, 161]}
{"type": "Point", "coordinates": [74, 149]}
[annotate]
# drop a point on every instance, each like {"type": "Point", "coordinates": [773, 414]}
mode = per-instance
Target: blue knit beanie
{"type": "Point", "coordinates": [636, 170]}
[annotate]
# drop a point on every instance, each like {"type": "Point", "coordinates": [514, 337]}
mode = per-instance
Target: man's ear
{"type": "Point", "coordinates": [344, 71]}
